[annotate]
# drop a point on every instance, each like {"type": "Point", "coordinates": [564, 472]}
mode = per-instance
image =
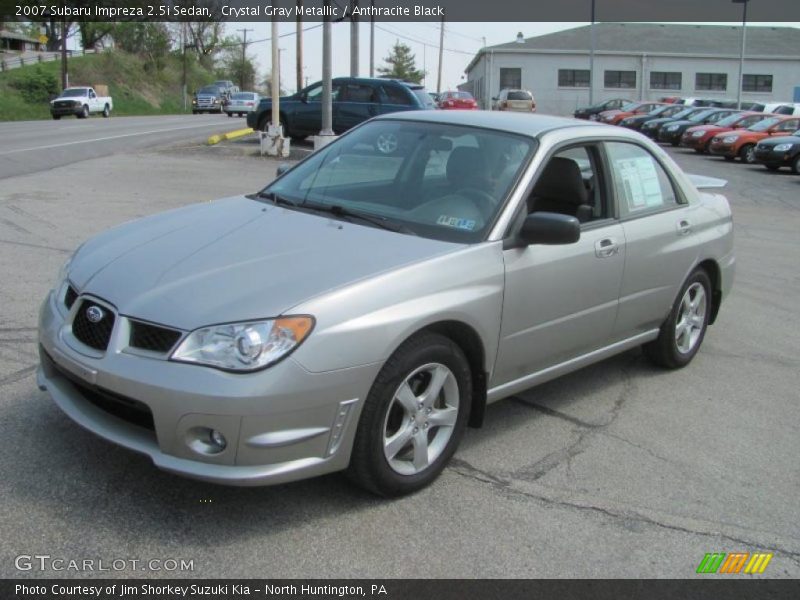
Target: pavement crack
{"type": "Point", "coordinates": [550, 412]}
{"type": "Point", "coordinates": [40, 246]}
{"type": "Point", "coordinates": [17, 375]}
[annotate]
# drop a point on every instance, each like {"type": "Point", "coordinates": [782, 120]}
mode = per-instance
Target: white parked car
{"type": "Point", "coordinates": [241, 103]}
{"type": "Point", "coordinates": [81, 102]}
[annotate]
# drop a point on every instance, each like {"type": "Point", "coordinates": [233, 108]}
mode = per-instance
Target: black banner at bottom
{"type": "Point", "coordinates": [398, 589]}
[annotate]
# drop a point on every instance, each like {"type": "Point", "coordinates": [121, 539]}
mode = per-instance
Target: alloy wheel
{"type": "Point", "coordinates": [691, 318]}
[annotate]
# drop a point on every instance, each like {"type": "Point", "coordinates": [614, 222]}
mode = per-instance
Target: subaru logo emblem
{"type": "Point", "coordinates": [95, 314]}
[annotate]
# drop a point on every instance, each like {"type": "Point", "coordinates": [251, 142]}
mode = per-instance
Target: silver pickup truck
{"type": "Point", "coordinates": [81, 102]}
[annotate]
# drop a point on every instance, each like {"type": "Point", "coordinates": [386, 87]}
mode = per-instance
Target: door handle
{"type": "Point", "coordinates": [683, 227]}
{"type": "Point", "coordinates": [606, 247]}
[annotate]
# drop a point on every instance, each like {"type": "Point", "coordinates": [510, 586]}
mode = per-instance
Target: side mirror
{"type": "Point", "coordinates": [550, 229]}
{"type": "Point", "coordinates": [494, 98]}
{"type": "Point", "coordinates": [304, 98]}
{"type": "Point", "coordinates": [282, 168]}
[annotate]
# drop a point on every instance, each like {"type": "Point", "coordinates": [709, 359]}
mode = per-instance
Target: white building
{"type": "Point", "coordinates": [641, 61]}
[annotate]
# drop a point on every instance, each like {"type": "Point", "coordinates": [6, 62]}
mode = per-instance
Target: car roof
{"type": "Point", "coordinates": [523, 123]}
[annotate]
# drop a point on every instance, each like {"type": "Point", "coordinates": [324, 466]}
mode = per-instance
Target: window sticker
{"type": "Point", "coordinates": [458, 223]}
{"type": "Point", "coordinates": [639, 180]}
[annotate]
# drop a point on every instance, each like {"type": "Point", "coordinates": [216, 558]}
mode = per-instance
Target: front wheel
{"type": "Point", "coordinates": [795, 166]}
{"type": "Point", "coordinates": [413, 417]}
{"type": "Point", "coordinates": [56, 117]}
{"type": "Point", "coordinates": [748, 154]}
{"type": "Point", "coordinates": [84, 113]}
{"type": "Point", "coordinates": [682, 333]}
{"type": "Point", "coordinates": [772, 167]}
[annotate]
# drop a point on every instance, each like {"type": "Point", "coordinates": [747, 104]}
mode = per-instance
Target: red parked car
{"type": "Point", "coordinates": [613, 117]}
{"type": "Point", "coordinates": [699, 137]}
{"type": "Point", "coordinates": [457, 101]}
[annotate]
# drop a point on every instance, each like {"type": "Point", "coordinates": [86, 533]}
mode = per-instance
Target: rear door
{"type": "Point", "coordinates": [659, 233]}
{"type": "Point", "coordinates": [306, 114]}
{"type": "Point", "coordinates": [357, 102]}
{"type": "Point", "coordinates": [394, 98]}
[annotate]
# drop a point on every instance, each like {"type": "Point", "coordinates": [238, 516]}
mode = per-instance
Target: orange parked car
{"type": "Point", "coordinates": [742, 143]}
{"type": "Point", "coordinates": [613, 117]}
{"type": "Point", "coordinates": [699, 137]}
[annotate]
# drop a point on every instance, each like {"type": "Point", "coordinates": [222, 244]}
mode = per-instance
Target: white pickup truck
{"type": "Point", "coordinates": [81, 102]}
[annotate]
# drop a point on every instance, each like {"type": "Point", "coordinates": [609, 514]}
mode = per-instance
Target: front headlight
{"type": "Point", "coordinates": [782, 147]}
{"type": "Point", "coordinates": [730, 139]}
{"type": "Point", "coordinates": [698, 134]}
{"type": "Point", "coordinates": [244, 346]}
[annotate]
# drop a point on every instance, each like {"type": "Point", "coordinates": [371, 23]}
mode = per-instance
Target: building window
{"type": "Point", "coordinates": [665, 80]}
{"type": "Point", "coordinates": [711, 81]}
{"type": "Point", "coordinates": [573, 78]}
{"type": "Point", "coordinates": [510, 79]}
{"type": "Point", "coordinates": [620, 79]}
{"type": "Point", "coordinates": [757, 83]}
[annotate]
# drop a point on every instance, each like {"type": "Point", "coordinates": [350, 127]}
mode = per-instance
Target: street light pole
{"type": "Point", "coordinates": [741, 54]}
{"type": "Point", "coordinates": [327, 70]}
{"type": "Point", "coordinates": [64, 72]}
{"type": "Point", "coordinates": [591, 59]}
{"type": "Point", "coordinates": [354, 43]}
{"type": "Point", "coordinates": [244, 56]}
{"type": "Point", "coordinates": [372, 41]}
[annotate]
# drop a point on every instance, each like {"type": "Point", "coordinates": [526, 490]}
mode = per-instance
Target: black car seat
{"type": "Point", "coordinates": [561, 189]}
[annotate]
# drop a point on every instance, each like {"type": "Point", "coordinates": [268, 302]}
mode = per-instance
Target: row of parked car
{"type": "Point", "coordinates": [770, 137]}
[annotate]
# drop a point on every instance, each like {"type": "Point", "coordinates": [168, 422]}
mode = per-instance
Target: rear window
{"type": "Point", "coordinates": [519, 95]}
{"type": "Point", "coordinates": [243, 96]}
{"type": "Point", "coordinates": [423, 97]}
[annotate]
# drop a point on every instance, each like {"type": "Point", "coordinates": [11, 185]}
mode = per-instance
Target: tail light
{"type": "Point", "coordinates": [504, 104]}
{"type": "Point", "coordinates": [249, 104]}
{"type": "Point", "coordinates": [449, 103]}
{"type": "Point", "coordinates": [533, 106]}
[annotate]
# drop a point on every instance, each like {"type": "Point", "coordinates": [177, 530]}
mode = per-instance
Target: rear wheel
{"type": "Point", "coordinates": [748, 154]}
{"type": "Point", "coordinates": [729, 158]}
{"type": "Point", "coordinates": [796, 165]}
{"type": "Point", "coordinates": [413, 417]}
{"type": "Point", "coordinates": [682, 333]}
{"type": "Point", "coordinates": [106, 111]}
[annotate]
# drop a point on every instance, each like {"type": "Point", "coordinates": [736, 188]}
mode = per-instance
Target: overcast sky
{"type": "Point", "coordinates": [461, 42]}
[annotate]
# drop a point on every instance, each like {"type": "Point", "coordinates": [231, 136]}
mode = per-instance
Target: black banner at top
{"type": "Point", "coordinates": [404, 10]}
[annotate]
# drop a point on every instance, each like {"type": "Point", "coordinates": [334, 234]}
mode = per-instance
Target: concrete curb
{"type": "Point", "coordinates": [231, 135]}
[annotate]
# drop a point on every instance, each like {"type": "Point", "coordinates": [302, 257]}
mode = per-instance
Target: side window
{"type": "Point", "coordinates": [570, 184]}
{"type": "Point", "coordinates": [395, 95]}
{"type": "Point", "coordinates": [358, 92]}
{"type": "Point", "coordinates": [315, 93]}
{"type": "Point", "coordinates": [789, 125]}
{"type": "Point", "coordinates": [640, 183]}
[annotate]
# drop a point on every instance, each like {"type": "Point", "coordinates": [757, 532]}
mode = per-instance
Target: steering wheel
{"type": "Point", "coordinates": [483, 201]}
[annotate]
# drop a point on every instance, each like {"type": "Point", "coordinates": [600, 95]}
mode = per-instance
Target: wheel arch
{"type": "Point", "coordinates": [466, 338]}
{"type": "Point", "coordinates": [712, 269]}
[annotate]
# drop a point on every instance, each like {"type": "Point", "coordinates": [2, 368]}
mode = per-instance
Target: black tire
{"type": "Point", "coordinates": [699, 150]}
{"type": "Point", "coordinates": [194, 112]}
{"type": "Point", "coordinates": [795, 166]}
{"type": "Point", "coordinates": [84, 114]}
{"type": "Point", "coordinates": [230, 114]}
{"type": "Point", "coordinates": [729, 158]}
{"type": "Point", "coordinates": [674, 143]}
{"type": "Point", "coordinates": [56, 117]}
{"type": "Point", "coordinates": [369, 467]}
{"type": "Point", "coordinates": [772, 167]}
{"type": "Point", "coordinates": [298, 139]}
{"type": "Point", "coordinates": [664, 351]}
{"type": "Point", "coordinates": [106, 111]}
{"type": "Point", "coordinates": [747, 154]}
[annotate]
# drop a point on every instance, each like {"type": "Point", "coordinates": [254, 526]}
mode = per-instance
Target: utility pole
{"type": "Point", "coordinates": [183, 47]}
{"type": "Point", "coordinates": [276, 144]}
{"type": "Point", "coordinates": [354, 42]}
{"type": "Point", "coordinates": [741, 55]}
{"type": "Point", "coordinates": [327, 84]}
{"type": "Point", "coordinates": [591, 60]}
{"type": "Point", "coordinates": [299, 46]}
{"type": "Point", "coordinates": [441, 48]}
{"type": "Point", "coordinates": [372, 40]}
{"type": "Point", "coordinates": [244, 56]}
{"type": "Point", "coordinates": [64, 72]}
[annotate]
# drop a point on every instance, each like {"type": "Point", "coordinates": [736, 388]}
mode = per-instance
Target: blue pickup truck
{"type": "Point", "coordinates": [354, 100]}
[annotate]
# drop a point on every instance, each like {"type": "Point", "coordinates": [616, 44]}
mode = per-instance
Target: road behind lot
{"type": "Point", "coordinates": [30, 146]}
{"type": "Point", "coordinates": [619, 470]}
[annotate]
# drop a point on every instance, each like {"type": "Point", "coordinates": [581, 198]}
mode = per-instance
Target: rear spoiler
{"type": "Point", "coordinates": [701, 182]}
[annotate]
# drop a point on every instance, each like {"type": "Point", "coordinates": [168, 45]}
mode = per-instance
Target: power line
{"type": "Point", "coordinates": [418, 41]}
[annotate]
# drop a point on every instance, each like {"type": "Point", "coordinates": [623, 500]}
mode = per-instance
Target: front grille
{"type": "Point", "coordinates": [152, 337]}
{"type": "Point", "coordinates": [70, 296]}
{"type": "Point", "coordinates": [129, 410]}
{"type": "Point", "coordinates": [94, 335]}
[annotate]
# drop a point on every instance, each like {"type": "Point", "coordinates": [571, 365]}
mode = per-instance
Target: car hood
{"type": "Point", "coordinates": [744, 133]}
{"type": "Point", "coordinates": [683, 123]}
{"type": "Point", "coordinates": [660, 121]}
{"type": "Point", "coordinates": [708, 128]}
{"type": "Point", "coordinates": [774, 141]}
{"type": "Point", "coordinates": [233, 260]}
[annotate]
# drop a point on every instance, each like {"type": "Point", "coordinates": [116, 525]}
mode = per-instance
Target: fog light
{"type": "Point", "coordinates": [218, 439]}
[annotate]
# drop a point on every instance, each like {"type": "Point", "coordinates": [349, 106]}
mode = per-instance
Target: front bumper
{"type": "Point", "coordinates": [721, 149]}
{"type": "Point", "coordinates": [769, 157]}
{"type": "Point", "coordinates": [698, 143]}
{"type": "Point", "coordinates": [281, 424]}
{"type": "Point", "coordinates": [64, 111]}
{"type": "Point", "coordinates": [669, 137]}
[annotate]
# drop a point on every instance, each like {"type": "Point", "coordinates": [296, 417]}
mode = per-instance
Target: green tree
{"type": "Point", "coordinates": [150, 40]}
{"type": "Point", "coordinates": [232, 67]}
{"type": "Point", "coordinates": [401, 65]}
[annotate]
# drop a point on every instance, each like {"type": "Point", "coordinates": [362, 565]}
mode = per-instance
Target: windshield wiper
{"type": "Point", "coordinates": [340, 211]}
{"type": "Point", "coordinates": [276, 199]}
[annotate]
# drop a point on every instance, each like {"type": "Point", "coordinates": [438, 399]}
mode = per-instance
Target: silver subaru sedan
{"type": "Point", "coordinates": [361, 311]}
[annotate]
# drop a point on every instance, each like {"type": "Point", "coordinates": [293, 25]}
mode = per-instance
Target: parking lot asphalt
{"type": "Point", "coordinates": [619, 470]}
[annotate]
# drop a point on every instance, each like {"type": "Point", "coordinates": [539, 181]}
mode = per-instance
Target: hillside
{"type": "Point", "coordinates": [137, 88]}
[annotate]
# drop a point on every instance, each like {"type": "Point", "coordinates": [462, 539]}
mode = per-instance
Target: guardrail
{"type": "Point", "coordinates": [15, 61]}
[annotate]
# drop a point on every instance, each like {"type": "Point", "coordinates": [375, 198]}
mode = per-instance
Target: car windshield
{"type": "Point", "coordinates": [701, 115]}
{"type": "Point", "coordinates": [243, 96]}
{"type": "Point", "coordinates": [764, 125]}
{"type": "Point", "coordinates": [73, 93]}
{"type": "Point", "coordinates": [661, 110]}
{"type": "Point", "coordinates": [441, 181]}
{"type": "Point", "coordinates": [209, 89]}
{"type": "Point", "coordinates": [684, 113]}
{"type": "Point", "coordinates": [461, 95]}
{"type": "Point", "coordinates": [630, 106]}
{"type": "Point", "coordinates": [519, 95]}
{"type": "Point", "coordinates": [730, 120]}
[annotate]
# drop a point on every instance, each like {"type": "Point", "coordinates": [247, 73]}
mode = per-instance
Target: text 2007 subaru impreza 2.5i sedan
{"type": "Point", "coordinates": [359, 312]}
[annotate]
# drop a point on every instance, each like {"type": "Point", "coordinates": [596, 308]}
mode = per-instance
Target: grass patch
{"type": "Point", "coordinates": [135, 87]}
